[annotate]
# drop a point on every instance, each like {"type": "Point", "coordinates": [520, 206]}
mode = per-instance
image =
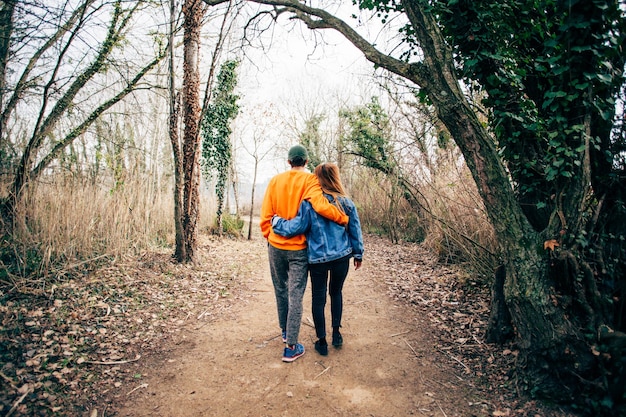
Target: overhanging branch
{"type": "Point", "coordinates": [317, 19]}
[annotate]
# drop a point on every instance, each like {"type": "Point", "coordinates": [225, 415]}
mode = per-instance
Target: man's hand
{"type": "Point", "coordinates": [357, 264]}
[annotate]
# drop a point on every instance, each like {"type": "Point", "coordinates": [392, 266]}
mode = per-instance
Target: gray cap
{"type": "Point", "coordinates": [297, 151]}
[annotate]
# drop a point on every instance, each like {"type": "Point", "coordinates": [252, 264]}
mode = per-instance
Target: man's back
{"type": "Point", "coordinates": [283, 196]}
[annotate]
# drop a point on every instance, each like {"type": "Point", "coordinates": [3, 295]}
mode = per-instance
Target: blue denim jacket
{"type": "Point", "coordinates": [326, 240]}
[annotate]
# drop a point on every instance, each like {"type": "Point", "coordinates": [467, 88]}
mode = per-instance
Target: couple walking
{"type": "Point", "coordinates": [310, 225]}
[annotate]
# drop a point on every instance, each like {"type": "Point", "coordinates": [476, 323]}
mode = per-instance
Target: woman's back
{"type": "Point", "coordinates": [326, 240]}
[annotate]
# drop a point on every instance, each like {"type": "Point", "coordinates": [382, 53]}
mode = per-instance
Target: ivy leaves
{"type": "Point", "coordinates": [549, 72]}
{"type": "Point", "coordinates": [216, 130]}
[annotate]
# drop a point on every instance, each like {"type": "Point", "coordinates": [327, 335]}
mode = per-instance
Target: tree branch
{"type": "Point", "coordinates": [112, 38]}
{"type": "Point", "coordinates": [416, 72]}
{"type": "Point", "coordinates": [24, 81]}
{"type": "Point", "coordinates": [80, 129]}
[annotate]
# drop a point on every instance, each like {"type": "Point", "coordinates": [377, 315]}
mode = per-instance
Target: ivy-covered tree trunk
{"type": "Point", "coordinates": [217, 151]}
{"type": "Point", "coordinates": [193, 11]}
{"type": "Point", "coordinates": [546, 337]}
{"type": "Point", "coordinates": [180, 249]}
{"type": "Point", "coordinates": [552, 114]}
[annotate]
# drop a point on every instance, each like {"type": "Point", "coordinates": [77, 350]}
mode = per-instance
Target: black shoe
{"type": "Point", "coordinates": [337, 339]}
{"type": "Point", "coordinates": [322, 348]}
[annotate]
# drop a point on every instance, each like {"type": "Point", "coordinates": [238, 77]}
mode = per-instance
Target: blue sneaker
{"type": "Point", "coordinates": [284, 334]}
{"type": "Point", "coordinates": [293, 353]}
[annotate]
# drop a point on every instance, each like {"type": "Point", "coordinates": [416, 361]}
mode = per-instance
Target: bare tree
{"type": "Point", "coordinates": [69, 72]}
{"type": "Point", "coordinates": [257, 155]}
{"type": "Point", "coordinates": [180, 251]}
{"type": "Point", "coordinates": [187, 154]}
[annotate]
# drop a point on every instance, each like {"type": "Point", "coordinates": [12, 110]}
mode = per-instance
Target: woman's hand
{"type": "Point", "coordinates": [357, 264]}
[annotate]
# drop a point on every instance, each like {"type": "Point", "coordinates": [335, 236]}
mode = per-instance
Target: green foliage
{"type": "Point", "coordinates": [368, 135]}
{"type": "Point", "coordinates": [382, 7]}
{"type": "Point", "coordinates": [216, 130]}
{"type": "Point", "coordinates": [551, 72]}
{"type": "Point", "coordinates": [552, 76]}
{"type": "Point", "coordinates": [231, 225]}
{"type": "Point", "coordinates": [311, 139]}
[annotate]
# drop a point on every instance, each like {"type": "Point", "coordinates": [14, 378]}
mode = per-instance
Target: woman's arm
{"type": "Point", "coordinates": [296, 226]}
{"type": "Point", "coordinates": [354, 232]}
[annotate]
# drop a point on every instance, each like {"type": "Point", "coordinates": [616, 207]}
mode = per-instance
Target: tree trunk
{"type": "Point", "coordinates": [193, 11]}
{"type": "Point", "coordinates": [6, 30]}
{"type": "Point", "coordinates": [234, 180]}
{"type": "Point", "coordinates": [256, 166]}
{"type": "Point", "coordinates": [222, 197]}
{"type": "Point", "coordinates": [180, 253]}
{"type": "Point", "coordinates": [499, 329]}
{"type": "Point", "coordinates": [543, 332]}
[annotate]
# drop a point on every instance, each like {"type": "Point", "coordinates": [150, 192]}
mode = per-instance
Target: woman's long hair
{"type": "Point", "coordinates": [330, 181]}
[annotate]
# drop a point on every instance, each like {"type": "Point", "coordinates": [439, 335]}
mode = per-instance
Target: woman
{"type": "Point", "coordinates": [329, 248]}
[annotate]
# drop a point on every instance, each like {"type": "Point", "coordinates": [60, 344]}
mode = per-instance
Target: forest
{"type": "Point", "coordinates": [491, 134]}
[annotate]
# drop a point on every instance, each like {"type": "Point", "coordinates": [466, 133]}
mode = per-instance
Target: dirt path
{"type": "Point", "coordinates": [232, 366]}
{"type": "Point", "coordinates": [144, 336]}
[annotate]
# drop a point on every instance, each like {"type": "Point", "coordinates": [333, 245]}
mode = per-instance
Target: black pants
{"type": "Point", "coordinates": [337, 270]}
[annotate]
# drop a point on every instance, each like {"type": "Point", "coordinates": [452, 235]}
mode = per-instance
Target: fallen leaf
{"type": "Point", "coordinates": [550, 244]}
{"type": "Point", "coordinates": [23, 389]}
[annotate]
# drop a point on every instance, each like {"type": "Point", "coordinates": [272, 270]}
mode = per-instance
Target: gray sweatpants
{"type": "Point", "coordinates": [289, 269]}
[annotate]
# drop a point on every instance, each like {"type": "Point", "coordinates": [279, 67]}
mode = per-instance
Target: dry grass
{"type": "Point", "coordinates": [78, 221]}
{"type": "Point", "coordinates": [383, 210]}
{"type": "Point", "coordinates": [453, 223]}
{"type": "Point", "coordinates": [460, 232]}
{"type": "Point", "coordinates": [74, 221]}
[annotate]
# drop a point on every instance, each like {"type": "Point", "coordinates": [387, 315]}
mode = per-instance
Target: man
{"type": "Point", "coordinates": [288, 256]}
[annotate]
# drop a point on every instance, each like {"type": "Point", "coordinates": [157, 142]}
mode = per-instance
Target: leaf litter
{"type": "Point", "coordinates": [73, 348]}
{"type": "Point", "coordinates": [66, 347]}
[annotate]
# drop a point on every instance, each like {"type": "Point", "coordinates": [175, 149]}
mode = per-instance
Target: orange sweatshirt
{"type": "Point", "coordinates": [283, 196]}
